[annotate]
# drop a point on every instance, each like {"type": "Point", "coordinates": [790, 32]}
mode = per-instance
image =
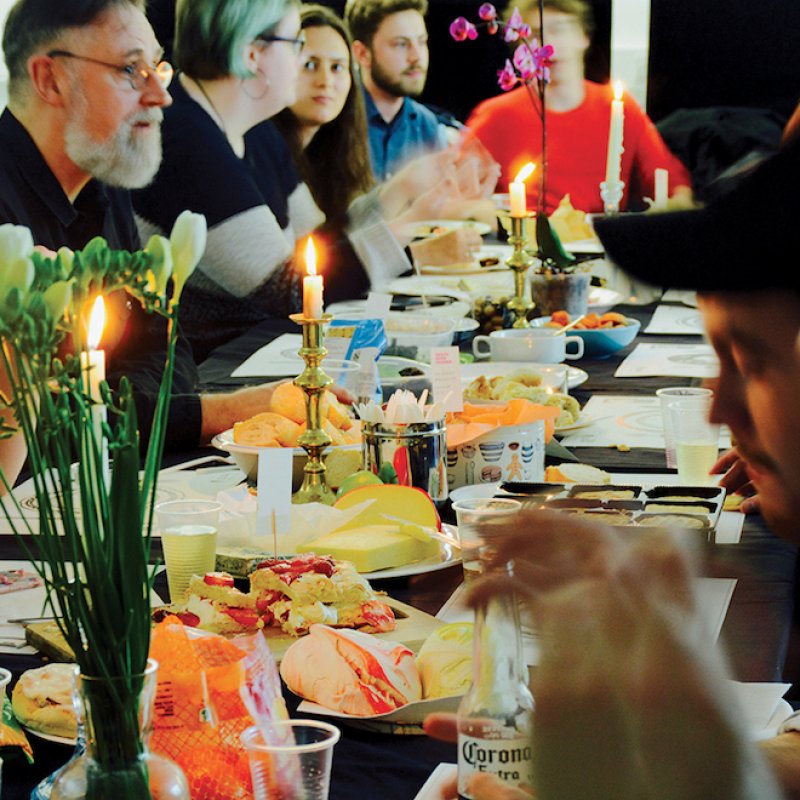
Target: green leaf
{"type": "Point", "coordinates": [549, 244]}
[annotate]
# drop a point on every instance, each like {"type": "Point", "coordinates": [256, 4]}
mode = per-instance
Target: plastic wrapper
{"type": "Point", "coordinates": [210, 689]}
{"type": "Point", "coordinates": [366, 344]}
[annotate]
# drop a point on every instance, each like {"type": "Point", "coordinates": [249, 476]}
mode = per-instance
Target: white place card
{"type": "Point", "coordinates": [686, 296]}
{"type": "Point", "coordinates": [676, 320]}
{"type": "Point", "coordinates": [446, 378]}
{"type": "Point", "coordinates": [274, 491]}
{"type": "Point", "coordinates": [378, 305]}
{"type": "Point", "coordinates": [678, 360]}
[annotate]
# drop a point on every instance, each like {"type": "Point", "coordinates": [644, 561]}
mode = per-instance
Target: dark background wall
{"type": "Point", "coordinates": [702, 53]}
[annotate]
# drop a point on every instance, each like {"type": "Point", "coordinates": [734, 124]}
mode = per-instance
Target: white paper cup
{"type": "Point", "coordinates": [299, 768]}
{"type": "Point", "coordinates": [676, 394]}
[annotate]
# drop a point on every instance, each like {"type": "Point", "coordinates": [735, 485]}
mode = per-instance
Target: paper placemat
{"type": "Point", "coordinates": [676, 320]}
{"type": "Point", "coordinates": [713, 598]}
{"type": "Point", "coordinates": [624, 420]}
{"type": "Point", "coordinates": [686, 296]}
{"type": "Point", "coordinates": [267, 361]}
{"type": "Point", "coordinates": [432, 788]}
{"type": "Point", "coordinates": [679, 360]}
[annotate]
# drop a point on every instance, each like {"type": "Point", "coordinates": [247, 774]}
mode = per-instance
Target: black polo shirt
{"type": "Point", "coordinates": [30, 195]}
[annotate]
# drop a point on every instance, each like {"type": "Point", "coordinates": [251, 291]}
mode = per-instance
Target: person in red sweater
{"type": "Point", "coordinates": [578, 114]}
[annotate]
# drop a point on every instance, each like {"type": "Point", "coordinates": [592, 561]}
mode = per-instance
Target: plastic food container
{"type": "Point", "coordinates": [413, 335]}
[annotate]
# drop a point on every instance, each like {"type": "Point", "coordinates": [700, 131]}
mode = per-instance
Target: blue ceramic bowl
{"type": "Point", "coordinates": [601, 342]}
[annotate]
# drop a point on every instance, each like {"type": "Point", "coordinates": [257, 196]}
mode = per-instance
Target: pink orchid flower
{"type": "Point", "coordinates": [507, 77]}
{"type": "Point", "coordinates": [462, 29]}
{"type": "Point", "coordinates": [487, 12]}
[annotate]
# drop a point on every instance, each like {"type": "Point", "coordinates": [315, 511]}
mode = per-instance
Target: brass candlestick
{"type": "Point", "coordinates": [314, 439]}
{"type": "Point", "coordinates": [519, 262]}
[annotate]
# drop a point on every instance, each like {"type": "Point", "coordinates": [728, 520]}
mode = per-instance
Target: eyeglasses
{"type": "Point", "coordinates": [137, 74]}
{"type": "Point", "coordinates": [299, 42]}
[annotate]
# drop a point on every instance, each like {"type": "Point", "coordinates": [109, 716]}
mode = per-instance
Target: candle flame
{"type": "Point", "coordinates": [311, 257]}
{"type": "Point", "coordinates": [525, 172]}
{"type": "Point", "coordinates": [97, 320]}
{"type": "Point", "coordinates": [618, 90]}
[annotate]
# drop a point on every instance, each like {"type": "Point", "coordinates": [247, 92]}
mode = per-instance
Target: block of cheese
{"type": "Point", "coordinates": [373, 547]}
{"type": "Point", "coordinates": [405, 503]}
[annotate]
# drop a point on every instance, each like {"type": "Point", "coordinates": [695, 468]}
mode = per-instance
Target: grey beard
{"type": "Point", "coordinates": [126, 159]}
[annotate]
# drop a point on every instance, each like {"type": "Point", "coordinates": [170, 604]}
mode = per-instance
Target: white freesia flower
{"type": "Point", "coordinates": [15, 242]}
{"type": "Point", "coordinates": [66, 256]}
{"type": "Point", "coordinates": [16, 274]}
{"type": "Point", "coordinates": [188, 241]}
{"type": "Point", "coordinates": [57, 297]}
{"type": "Point", "coordinates": [161, 249]}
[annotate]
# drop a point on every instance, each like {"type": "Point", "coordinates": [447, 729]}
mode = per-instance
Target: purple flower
{"type": "Point", "coordinates": [492, 27]}
{"type": "Point", "coordinates": [462, 29]}
{"type": "Point", "coordinates": [533, 61]}
{"type": "Point", "coordinates": [515, 26]}
{"type": "Point", "coordinates": [523, 61]}
{"type": "Point", "coordinates": [487, 12]}
{"type": "Point", "coordinates": [506, 77]}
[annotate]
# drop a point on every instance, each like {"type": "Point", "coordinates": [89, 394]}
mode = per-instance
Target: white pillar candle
{"type": "Point", "coordinates": [93, 365]}
{"type": "Point", "coordinates": [517, 191]}
{"type": "Point", "coordinates": [662, 189]}
{"type": "Point", "coordinates": [615, 133]}
{"type": "Point", "coordinates": [312, 285]}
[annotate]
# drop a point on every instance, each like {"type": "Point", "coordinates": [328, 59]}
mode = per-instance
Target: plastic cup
{"type": "Point", "coordinates": [297, 769]}
{"type": "Point", "coordinates": [176, 513]}
{"type": "Point", "coordinates": [696, 440]}
{"type": "Point", "coordinates": [676, 394]}
{"type": "Point", "coordinates": [188, 550]}
{"type": "Point", "coordinates": [478, 521]}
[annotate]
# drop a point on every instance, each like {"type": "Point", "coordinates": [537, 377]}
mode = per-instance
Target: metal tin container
{"type": "Point", "coordinates": [416, 451]}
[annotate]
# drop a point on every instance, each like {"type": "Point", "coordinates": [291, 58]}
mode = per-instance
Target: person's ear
{"type": "Point", "coordinates": [251, 53]}
{"type": "Point", "coordinates": [362, 55]}
{"type": "Point", "coordinates": [46, 83]}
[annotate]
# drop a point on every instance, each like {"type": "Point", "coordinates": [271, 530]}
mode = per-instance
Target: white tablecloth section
{"type": "Point", "coordinates": [672, 320]}
{"type": "Point", "coordinates": [666, 360]}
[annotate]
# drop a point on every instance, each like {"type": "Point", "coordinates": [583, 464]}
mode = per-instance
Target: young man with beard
{"type": "Point", "coordinates": [86, 89]}
{"type": "Point", "coordinates": [390, 44]}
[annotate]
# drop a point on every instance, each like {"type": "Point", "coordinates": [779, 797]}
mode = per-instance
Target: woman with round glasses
{"type": "Point", "coordinates": [238, 62]}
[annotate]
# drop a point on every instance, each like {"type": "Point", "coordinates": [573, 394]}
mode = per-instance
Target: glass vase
{"type": "Point", "coordinates": [117, 718]}
{"type": "Point", "coordinates": [560, 291]}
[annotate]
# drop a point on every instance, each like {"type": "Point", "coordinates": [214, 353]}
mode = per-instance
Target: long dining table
{"type": "Point", "coordinates": [755, 632]}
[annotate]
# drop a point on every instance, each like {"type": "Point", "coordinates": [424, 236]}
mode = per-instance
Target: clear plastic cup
{"type": "Point", "coordinates": [475, 520]}
{"type": "Point", "coordinates": [676, 394]}
{"type": "Point", "coordinates": [299, 768]}
{"type": "Point", "coordinates": [176, 513]}
{"type": "Point", "coordinates": [696, 441]}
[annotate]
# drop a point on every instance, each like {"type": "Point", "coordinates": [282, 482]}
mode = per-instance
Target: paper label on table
{"type": "Point", "coordinates": [446, 378]}
{"type": "Point", "coordinates": [378, 305]}
{"type": "Point", "coordinates": [676, 320]}
{"type": "Point", "coordinates": [274, 490]}
{"type": "Point", "coordinates": [668, 360]}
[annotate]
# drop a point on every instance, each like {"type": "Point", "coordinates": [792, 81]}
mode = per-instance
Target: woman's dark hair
{"type": "Point", "coordinates": [335, 164]}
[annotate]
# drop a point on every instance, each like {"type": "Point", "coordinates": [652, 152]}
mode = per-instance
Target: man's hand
{"type": "Point", "coordinates": [735, 480]}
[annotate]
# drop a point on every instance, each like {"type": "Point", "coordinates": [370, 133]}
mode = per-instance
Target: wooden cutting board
{"type": "Point", "coordinates": [413, 628]}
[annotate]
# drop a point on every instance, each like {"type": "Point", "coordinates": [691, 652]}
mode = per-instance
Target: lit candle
{"type": "Point", "coordinates": [662, 189]}
{"type": "Point", "coordinates": [312, 285]}
{"type": "Point", "coordinates": [516, 191]}
{"type": "Point", "coordinates": [614, 160]}
{"type": "Point", "coordinates": [93, 364]}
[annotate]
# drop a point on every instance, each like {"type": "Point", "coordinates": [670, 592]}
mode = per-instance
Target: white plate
{"type": "Point", "coordinates": [422, 230]}
{"type": "Point", "coordinates": [405, 720]}
{"type": "Point", "coordinates": [224, 441]}
{"type": "Point", "coordinates": [493, 369]}
{"type": "Point", "coordinates": [477, 491]}
{"type": "Point", "coordinates": [498, 251]}
{"type": "Point", "coordinates": [582, 422]}
{"type": "Point", "coordinates": [461, 287]}
{"type": "Point", "coordinates": [592, 246]}
{"type": "Point", "coordinates": [455, 310]}
{"type": "Point", "coordinates": [449, 554]}
{"type": "Point", "coordinates": [50, 737]}
{"type": "Point", "coordinates": [602, 299]}
{"type": "Point", "coordinates": [389, 371]}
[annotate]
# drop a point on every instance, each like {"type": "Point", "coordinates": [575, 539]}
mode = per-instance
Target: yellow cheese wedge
{"type": "Point", "coordinates": [399, 502]}
{"type": "Point", "coordinates": [372, 547]}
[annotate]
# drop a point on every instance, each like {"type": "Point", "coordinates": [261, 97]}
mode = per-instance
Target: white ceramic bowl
{"type": "Point", "coordinates": [413, 335]}
{"type": "Point", "coordinates": [246, 456]}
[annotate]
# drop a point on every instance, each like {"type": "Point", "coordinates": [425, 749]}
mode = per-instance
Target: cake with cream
{"type": "Point", "coordinates": [351, 672]}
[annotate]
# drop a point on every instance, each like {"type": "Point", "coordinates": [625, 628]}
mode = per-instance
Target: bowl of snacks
{"type": "Point", "coordinates": [602, 334]}
{"type": "Point", "coordinates": [412, 335]}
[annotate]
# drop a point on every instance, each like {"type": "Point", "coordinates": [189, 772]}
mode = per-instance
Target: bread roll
{"type": "Point", "coordinates": [42, 700]}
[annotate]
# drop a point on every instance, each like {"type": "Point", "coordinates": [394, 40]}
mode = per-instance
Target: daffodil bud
{"type": "Point", "coordinates": [57, 297]}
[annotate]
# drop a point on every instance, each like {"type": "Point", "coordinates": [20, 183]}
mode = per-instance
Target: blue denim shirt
{"type": "Point", "coordinates": [414, 131]}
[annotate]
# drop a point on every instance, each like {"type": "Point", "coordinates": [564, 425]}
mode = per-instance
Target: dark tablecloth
{"type": "Point", "coordinates": [755, 632]}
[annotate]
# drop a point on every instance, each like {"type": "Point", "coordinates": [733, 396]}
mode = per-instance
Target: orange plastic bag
{"type": "Point", "coordinates": [476, 420]}
{"type": "Point", "coordinates": [210, 690]}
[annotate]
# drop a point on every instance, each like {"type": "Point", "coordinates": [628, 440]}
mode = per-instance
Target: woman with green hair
{"type": "Point", "coordinates": [238, 62]}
